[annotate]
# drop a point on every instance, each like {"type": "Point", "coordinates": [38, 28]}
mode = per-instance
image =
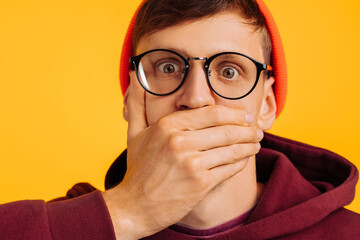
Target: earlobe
{"type": "Point", "coordinates": [267, 112]}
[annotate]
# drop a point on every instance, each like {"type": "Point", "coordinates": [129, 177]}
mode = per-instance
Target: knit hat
{"type": "Point", "coordinates": [278, 57]}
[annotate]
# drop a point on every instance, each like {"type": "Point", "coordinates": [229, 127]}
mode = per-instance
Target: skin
{"type": "Point", "coordinates": [191, 150]}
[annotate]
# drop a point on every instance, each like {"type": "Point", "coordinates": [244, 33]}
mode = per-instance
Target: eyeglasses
{"type": "Point", "coordinates": [230, 75]}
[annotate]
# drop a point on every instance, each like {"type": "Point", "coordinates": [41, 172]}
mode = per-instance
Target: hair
{"type": "Point", "coordinates": [156, 15]}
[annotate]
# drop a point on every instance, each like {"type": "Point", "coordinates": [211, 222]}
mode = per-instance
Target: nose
{"type": "Point", "coordinates": [195, 92]}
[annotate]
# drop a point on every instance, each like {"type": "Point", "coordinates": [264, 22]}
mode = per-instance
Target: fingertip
{"type": "Point", "coordinates": [260, 134]}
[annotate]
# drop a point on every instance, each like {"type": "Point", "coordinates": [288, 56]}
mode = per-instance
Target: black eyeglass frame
{"type": "Point", "coordinates": [259, 67]}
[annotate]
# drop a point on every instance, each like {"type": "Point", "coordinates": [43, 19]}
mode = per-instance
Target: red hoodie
{"type": "Point", "coordinates": [306, 189]}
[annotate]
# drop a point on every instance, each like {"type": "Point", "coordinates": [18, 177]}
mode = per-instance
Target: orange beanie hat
{"type": "Point", "coordinates": [278, 57]}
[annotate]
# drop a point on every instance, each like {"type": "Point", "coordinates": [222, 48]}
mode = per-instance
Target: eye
{"type": "Point", "coordinates": [168, 68]}
{"type": "Point", "coordinates": [228, 72]}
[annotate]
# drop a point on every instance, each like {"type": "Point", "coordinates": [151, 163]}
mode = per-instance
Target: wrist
{"type": "Point", "coordinates": [125, 226]}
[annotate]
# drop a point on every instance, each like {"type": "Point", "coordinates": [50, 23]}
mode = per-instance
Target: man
{"type": "Point", "coordinates": [201, 93]}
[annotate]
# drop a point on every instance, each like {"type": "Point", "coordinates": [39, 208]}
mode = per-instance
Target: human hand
{"type": "Point", "coordinates": [175, 163]}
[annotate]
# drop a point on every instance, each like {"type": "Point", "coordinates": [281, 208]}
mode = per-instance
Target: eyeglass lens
{"type": "Point", "coordinates": [230, 75]}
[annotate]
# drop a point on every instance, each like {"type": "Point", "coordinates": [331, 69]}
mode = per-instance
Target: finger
{"type": "Point", "coordinates": [208, 138]}
{"type": "Point", "coordinates": [135, 104]}
{"type": "Point", "coordinates": [218, 157]}
{"type": "Point", "coordinates": [224, 172]}
{"type": "Point", "coordinates": [209, 116]}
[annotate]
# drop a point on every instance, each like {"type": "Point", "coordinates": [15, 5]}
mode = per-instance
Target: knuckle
{"type": "Point", "coordinates": [217, 114]}
{"type": "Point", "coordinates": [253, 133]}
{"type": "Point", "coordinates": [230, 133]}
{"type": "Point", "coordinates": [192, 166]}
{"type": "Point", "coordinates": [201, 181]}
{"type": "Point", "coordinates": [237, 152]}
{"type": "Point", "coordinates": [176, 141]}
{"type": "Point", "coordinates": [164, 123]}
{"type": "Point", "coordinates": [241, 165]}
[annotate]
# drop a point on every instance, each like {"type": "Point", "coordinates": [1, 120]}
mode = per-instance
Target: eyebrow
{"type": "Point", "coordinates": [182, 51]}
{"type": "Point", "coordinates": [185, 53]}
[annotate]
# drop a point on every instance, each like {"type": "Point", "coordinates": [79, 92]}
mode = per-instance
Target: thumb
{"type": "Point", "coordinates": [135, 108]}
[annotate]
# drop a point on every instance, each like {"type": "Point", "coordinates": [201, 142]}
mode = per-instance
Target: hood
{"type": "Point", "coordinates": [304, 185]}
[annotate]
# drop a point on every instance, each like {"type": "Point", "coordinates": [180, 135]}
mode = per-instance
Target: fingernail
{"type": "Point", "coordinates": [249, 118]}
{"type": "Point", "coordinates": [260, 134]}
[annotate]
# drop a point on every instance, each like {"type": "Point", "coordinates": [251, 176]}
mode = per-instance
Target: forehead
{"type": "Point", "coordinates": [226, 31]}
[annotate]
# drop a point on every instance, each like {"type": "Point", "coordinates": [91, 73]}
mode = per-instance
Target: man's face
{"type": "Point", "coordinates": [203, 38]}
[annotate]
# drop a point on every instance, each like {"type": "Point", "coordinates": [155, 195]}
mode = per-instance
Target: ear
{"type": "Point", "coordinates": [126, 96]}
{"type": "Point", "coordinates": [267, 112]}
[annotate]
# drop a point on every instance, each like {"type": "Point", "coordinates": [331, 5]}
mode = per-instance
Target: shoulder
{"type": "Point", "coordinates": [340, 224]}
{"type": "Point", "coordinates": [344, 219]}
{"type": "Point", "coordinates": [77, 190]}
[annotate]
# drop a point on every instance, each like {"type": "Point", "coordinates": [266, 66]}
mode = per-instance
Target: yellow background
{"type": "Point", "coordinates": [61, 106]}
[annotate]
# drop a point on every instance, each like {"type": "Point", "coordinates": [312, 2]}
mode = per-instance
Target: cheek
{"type": "Point", "coordinates": [157, 107]}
